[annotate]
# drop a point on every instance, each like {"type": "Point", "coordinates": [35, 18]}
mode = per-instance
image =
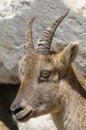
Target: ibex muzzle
{"type": "Point", "coordinates": [48, 79]}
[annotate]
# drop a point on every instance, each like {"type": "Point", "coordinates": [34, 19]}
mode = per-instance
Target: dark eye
{"type": "Point", "coordinates": [45, 73]}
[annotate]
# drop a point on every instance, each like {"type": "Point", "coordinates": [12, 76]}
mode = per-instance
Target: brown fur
{"type": "Point", "coordinates": [47, 92]}
{"type": "Point", "coordinates": [50, 83]}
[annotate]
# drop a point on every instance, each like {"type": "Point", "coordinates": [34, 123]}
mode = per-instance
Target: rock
{"type": "Point", "coordinates": [14, 17]}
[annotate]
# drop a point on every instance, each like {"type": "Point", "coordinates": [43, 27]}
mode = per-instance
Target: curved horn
{"type": "Point", "coordinates": [29, 40]}
{"type": "Point", "coordinates": [43, 45]}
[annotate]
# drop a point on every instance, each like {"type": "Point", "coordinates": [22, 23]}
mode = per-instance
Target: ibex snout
{"type": "Point", "coordinates": [21, 111]}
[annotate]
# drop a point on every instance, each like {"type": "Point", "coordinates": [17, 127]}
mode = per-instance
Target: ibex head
{"type": "Point", "coordinates": [40, 71]}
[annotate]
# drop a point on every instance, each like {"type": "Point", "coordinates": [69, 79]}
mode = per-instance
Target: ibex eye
{"type": "Point", "coordinates": [45, 73]}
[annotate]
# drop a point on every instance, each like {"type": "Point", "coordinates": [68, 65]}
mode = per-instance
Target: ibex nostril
{"type": "Point", "coordinates": [17, 110]}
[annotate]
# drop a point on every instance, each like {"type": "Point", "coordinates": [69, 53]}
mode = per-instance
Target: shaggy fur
{"type": "Point", "coordinates": [50, 83]}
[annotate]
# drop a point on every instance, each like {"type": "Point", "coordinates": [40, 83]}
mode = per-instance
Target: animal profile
{"type": "Point", "coordinates": [50, 83]}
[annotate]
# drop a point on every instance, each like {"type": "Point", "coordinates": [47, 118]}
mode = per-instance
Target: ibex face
{"type": "Point", "coordinates": [40, 71]}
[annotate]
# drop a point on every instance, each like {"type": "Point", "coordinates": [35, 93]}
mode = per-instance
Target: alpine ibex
{"type": "Point", "coordinates": [50, 83]}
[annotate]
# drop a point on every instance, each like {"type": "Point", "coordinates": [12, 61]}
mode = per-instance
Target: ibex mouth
{"type": "Point", "coordinates": [23, 115]}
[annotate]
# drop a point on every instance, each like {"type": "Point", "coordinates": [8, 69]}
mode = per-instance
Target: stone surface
{"type": "Point", "coordinates": [14, 18]}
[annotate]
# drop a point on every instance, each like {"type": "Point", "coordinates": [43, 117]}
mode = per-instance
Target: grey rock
{"type": "Point", "coordinates": [12, 32]}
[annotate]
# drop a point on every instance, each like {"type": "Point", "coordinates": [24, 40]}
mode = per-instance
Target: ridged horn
{"type": "Point", "coordinates": [29, 40]}
{"type": "Point", "coordinates": [44, 42]}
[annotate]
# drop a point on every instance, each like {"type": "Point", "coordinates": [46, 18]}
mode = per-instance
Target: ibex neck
{"type": "Point", "coordinates": [76, 81]}
{"type": "Point", "coordinates": [73, 99]}
{"type": "Point", "coordinates": [58, 120]}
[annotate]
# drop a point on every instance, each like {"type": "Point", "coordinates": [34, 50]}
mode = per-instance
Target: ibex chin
{"type": "Point", "coordinates": [50, 83]}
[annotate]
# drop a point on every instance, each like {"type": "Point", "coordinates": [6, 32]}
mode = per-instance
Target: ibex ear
{"type": "Point", "coordinates": [68, 55]}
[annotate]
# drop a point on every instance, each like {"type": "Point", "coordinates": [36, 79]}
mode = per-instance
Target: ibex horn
{"type": "Point", "coordinates": [43, 45]}
{"type": "Point", "coordinates": [29, 40]}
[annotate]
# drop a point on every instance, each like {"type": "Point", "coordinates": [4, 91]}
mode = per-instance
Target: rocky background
{"type": "Point", "coordinates": [14, 18]}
